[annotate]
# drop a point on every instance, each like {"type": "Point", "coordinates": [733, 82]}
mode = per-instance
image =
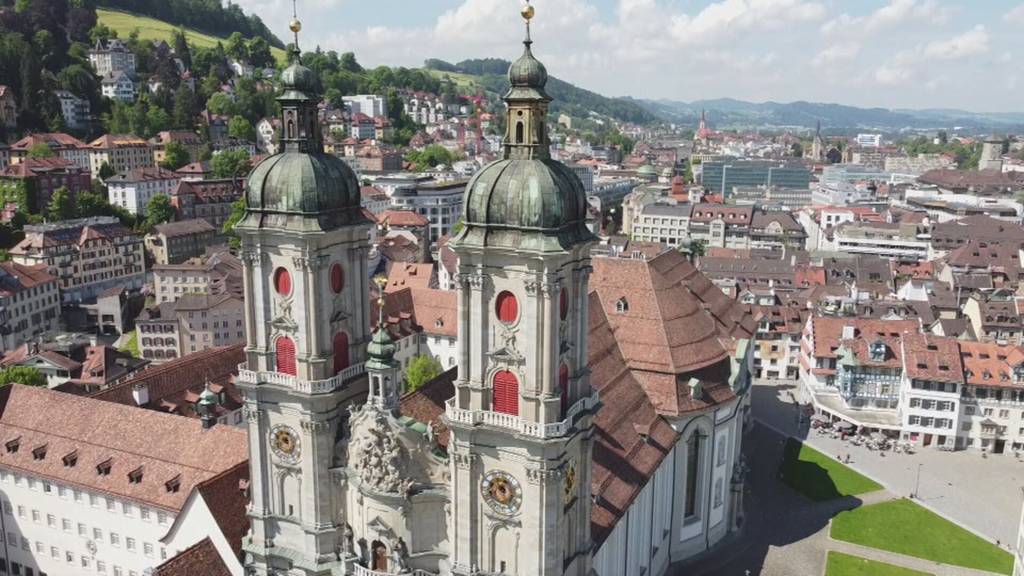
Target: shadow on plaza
{"type": "Point", "coordinates": [775, 514]}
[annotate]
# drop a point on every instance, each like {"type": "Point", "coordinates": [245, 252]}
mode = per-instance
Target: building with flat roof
{"type": "Point", "coordinates": [723, 176]}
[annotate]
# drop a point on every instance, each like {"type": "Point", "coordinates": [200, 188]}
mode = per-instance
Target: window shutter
{"type": "Point", "coordinates": [340, 352]}
{"type": "Point", "coordinates": [506, 393]}
{"type": "Point", "coordinates": [507, 307]}
{"type": "Point", "coordinates": [285, 355]}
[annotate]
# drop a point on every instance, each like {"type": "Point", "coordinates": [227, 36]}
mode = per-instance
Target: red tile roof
{"type": "Point", "coordinates": [18, 277]}
{"type": "Point", "coordinates": [989, 364]}
{"type": "Point", "coordinates": [409, 275]}
{"type": "Point", "coordinates": [829, 331]}
{"type": "Point", "coordinates": [201, 558]}
{"type": "Point", "coordinates": [403, 218]}
{"type": "Point", "coordinates": [932, 358]}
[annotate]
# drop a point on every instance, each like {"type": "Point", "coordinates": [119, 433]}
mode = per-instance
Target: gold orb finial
{"type": "Point", "coordinates": [527, 12]}
{"type": "Point", "coordinates": [295, 25]}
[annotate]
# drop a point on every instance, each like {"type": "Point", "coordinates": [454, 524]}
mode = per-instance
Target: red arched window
{"type": "Point", "coordinates": [282, 282]}
{"type": "Point", "coordinates": [337, 278]}
{"type": "Point", "coordinates": [340, 352]}
{"type": "Point", "coordinates": [285, 353]}
{"type": "Point", "coordinates": [563, 383]}
{"type": "Point", "coordinates": [506, 393]}
{"type": "Point", "coordinates": [507, 307]}
{"type": "Point", "coordinates": [563, 303]}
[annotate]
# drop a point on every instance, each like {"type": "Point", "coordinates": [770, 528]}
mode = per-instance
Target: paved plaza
{"type": "Point", "coordinates": [787, 535]}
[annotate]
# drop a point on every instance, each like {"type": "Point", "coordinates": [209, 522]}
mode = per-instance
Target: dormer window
{"type": "Point", "coordinates": [103, 468]}
{"type": "Point", "coordinates": [12, 446]}
{"type": "Point", "coordinates": [878, 350]}
{"type": "Point", "coordinates": [174, 484]}
{"type": "Point", "coordinates": [622, 306]}
{"type": "Point", "coordinates": [39, 452]}
{"type": "Point", "coordinates": [135, 476]}
{"type": "Point", "coordinates": [70, 459]}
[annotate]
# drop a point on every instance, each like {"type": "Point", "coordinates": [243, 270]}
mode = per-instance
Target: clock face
{"type": "Point", "coordinates": [285, 443]}
{"type": "Point", "coordinates": [501, 492]}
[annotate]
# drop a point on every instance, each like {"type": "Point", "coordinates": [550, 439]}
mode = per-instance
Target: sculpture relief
{"type": "Point", "coordinates": [378, 459]}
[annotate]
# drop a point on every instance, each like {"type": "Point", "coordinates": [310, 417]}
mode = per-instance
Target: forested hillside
{"type": "Point", "coordinates": [209, 16]}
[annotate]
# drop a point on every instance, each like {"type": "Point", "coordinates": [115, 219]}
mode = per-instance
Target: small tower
{"type": "Point", "coordinates": [206, 406]}
{"type": "Point", "coordinates": [521, 420]}
{"type": "Point", "coordinates": [818, 145]}
{"type": "Point", "coordinates": [381, 368]}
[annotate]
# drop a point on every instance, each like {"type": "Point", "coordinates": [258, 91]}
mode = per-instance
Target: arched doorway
{"type": "Point", "coordinates": [285, 355]}
{"type": "Point", "coordinates": [340, 352]}
{"type": "Point", "coordinates": [506, 393]}
{"type": "Point", "coordinates": [379, 556]}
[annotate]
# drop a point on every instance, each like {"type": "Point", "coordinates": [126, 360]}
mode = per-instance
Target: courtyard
{"type": "Point", "coordinates": [802, 505]}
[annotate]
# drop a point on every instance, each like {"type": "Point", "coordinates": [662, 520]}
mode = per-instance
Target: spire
{"type": "Point", "coordinates": [295, 25]}
{"type": "Point", "coordinates": [299, 98]}
{"type": "Point", "coordinates": [527, 102]}
{"type": "Point", "coordinates": [817, 132]}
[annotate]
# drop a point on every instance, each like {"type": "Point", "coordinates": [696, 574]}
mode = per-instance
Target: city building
{"type": "Point", "coordinates": [91, 492]}
{"type": "Point", "coordinates": [132, 190]}
{"type": "Point", "coordinates": [122, 152]}
{"type": "Point", "coordinates": [87, 256]}
{"type": "Point", "coordinates": [665, 223]}
{"type": "Point", "coordinates": [771, 197]}
{"type": "Point", "coordinates": [361, 127]}
{"type": "Point", "coordinates": [995, 317]}
{"type": "Point", "coordinates": [555, 385]}
{"type": "Point", "coordinates": [29, 303]}
{"type": "Point", "coordinates": [945, 206]}
{"type": "Point", "coordinates": [63, 145]}
{"type": "Point", "coordinates": [907, 241]}
{"type": "Point", "coordinates": [84, 371]}
{"type": "Point", "coordinates": [192, 142]}
{"type": "Point", "coordinates": [991, 155]}
{"type": "Point", "coordinates": [191, 323]}
{"type": "Point", "coordinates": [217, 272]}
{"type": "Point", "coordinates": [723, 176]}
{"type": "Point", "coordinates": [917, 165]}
{"type": "Point", "coordinates": [267, 135]}
{"type": "Point", "coordinates": [176, 242]}
{"type": "Point", "coordinates": [439, 202]}
{"type": "Point", "coordinates": [869, 140]}
{"type": "Point", "coordinates": [118, 85]}
{"type": "Point", "coordinates": [369, 104]}
{"type": "Point", "coordinates": [77, 112]}
{"type": "Point", "coordinates": [39, 178]}
{"type": "Point", "coordinates": [210, 200]}
{"type": "Point", "coordinates": [112, 57]}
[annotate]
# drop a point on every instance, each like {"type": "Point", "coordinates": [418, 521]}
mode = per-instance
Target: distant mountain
{"type": "Point", "coordinates": [834, 118]}
{"type": "Point", "coordinates": [577, 102]}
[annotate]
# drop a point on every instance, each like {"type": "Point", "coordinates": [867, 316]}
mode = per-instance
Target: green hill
{"type": "Point", "coordinates": [152, 29]}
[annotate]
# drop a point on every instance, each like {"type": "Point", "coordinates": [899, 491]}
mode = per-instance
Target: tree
{"type": "Point", "coordinates": [157, 120]}
{"type": "Point", "coordinates": [26, 375]}
{"type": "Point", "coordinates": [259, 53]}
{"type": "Point", "coordinates": [181, 49]}
{"type": "Point", "coordinates": [159, 210]}
{"type": "Point", "coordinates": [184, 108]}
{"type": "Point", "coordinates": [236, 47]}
{"type": "Point", "coordinates": [230, 164]}
{"type": "Point", "coordinates": [430, 157]}
{"type": "Point", "coordinates": [62, 205]}
{"type": "Point", "coordinates": [239, 127]}
{"type": "Point", "coordinates": [106, 171]}
{"type": "Point", "coordinates": [796, 150]}
{"type": "Point", "coordinates": [943, 138]}
{"type": "Point", "coordinates": [41, 150]}
{"type": "Point", "coordinates": [237, 213]}
{"type": "Point", "coordinates": [422, 369]}
{"type": "Point", "coordinates": [220, 103]}
{"type": "Point", "coordinates": [175, 156]}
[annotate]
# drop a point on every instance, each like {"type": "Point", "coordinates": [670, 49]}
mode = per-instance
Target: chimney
{"type": "Point", "coordinates": [849, 332]}
{"type": "Point", "coordinates": [140, 393]}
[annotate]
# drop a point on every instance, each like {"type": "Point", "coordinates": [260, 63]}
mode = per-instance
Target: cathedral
{"type": "Point", "coordinates": [593, 421]}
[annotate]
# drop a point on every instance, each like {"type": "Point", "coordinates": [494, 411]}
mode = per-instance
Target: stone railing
{"type": "Point", "coordinates": [308, 386]}
{"type": "Point", "coordinates": [517, 423]}
{"type": "Point", "coordinates": [358, 570]}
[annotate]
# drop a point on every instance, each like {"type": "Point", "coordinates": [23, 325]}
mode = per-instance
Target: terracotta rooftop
{"type": "Point", "coordinates": [989, 364]}
{"type": "Point", "coordinates": [97, 445]}
{"type": "Point", "coordinates": [201, 558]}
{"type": "Point", "coordinates": [409, 275]}
{"type": "Point", "coordinates": [55, 140]}
{"type": "Point", "coordinates": [828, 331]}
{"type": "Point", "coordinates": [15, 278]}
{"type": "Point", "coordinates": [932, 358]}
{"type": "Point", "coordinates": [403, 218]}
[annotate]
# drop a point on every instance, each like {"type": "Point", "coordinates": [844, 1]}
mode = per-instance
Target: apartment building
{"type": "Point", "coordinates": [132, 190]}
{"type": "Point", "coordinates": [214, 273]}
{"type": "Point", "coordinates": [192, 323]}
{"type": "Point", "coordinates": [29, 303]}
{"type": "Point", "coordinates": [39, 178]}
{"type": "Point", "coordinates": [907, 241]}
{"type": "Point", "coordinates": [122, 152]}
{"type": "Point", "coordinates": [94, 492]}
{"type": "Point", "coordinates": [112, 56]}
{"type": "Point", "coordinates": [421, 321]}
{"type": "Point", "coordinates": [118, 85]}
{"type": "Point", "coordinates": [176, 242]}
{"type": "Point", "coordinates": [210, 200]}
{"type": "Point", "coordinates": [663, 222]}
{"type": "Point", "coordinates": [63, 146]}
{"type": "Point", "coordinates": [192, 142]}
{"type": "Point", "coordinates": [439, 202]}
{"type": "Point", "coordinates": [87, 255]}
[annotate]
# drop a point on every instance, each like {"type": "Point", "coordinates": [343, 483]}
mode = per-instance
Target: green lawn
{"type": "Point", "coordinates": [840, 564]}
{"type": "Point", "coordinates": [152, 29]}
{"type": "Point", "coordinates": [903, 527]}
{"type": "Point", "coordinates": [820, 477]}
{"type": "Point", "coordinates": [131, 344]}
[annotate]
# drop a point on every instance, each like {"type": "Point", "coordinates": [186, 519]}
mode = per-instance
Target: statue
{"type": "Point", "coordinates": [400, 557]}
{"type": "Point", "coordinates": [347, 545]}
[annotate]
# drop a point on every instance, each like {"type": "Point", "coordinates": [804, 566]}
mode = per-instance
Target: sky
{"type": "Point", "coordinates": [886, 53]}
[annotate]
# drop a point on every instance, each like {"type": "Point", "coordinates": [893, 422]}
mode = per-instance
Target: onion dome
{"type": "Point", "coordinates": [298, 78]}
{"type": "Point", "coordinates": [381, 350]}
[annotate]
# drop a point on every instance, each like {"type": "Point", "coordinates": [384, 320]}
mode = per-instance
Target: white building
{"type": "Point", "coordinates": [905, 241]}
{"type": "Point", "coordinates": [665, 223]}
{"type": "Point", "coordinates": [114, 500]}
{"type": "Point", "coordinates": [369, 104]}
{"type": "Point", "coordinates": [869, 140]}
{"type": "Point", "coordinates": [132, 190]}
{"type": "Point", "coordinates": [439, 202]}
{"type": "Point", "coordinates": [266, 136]}
{"type": "Point", "coordinates": [29, 303]}
{"type": "Point", "coordinates": [75, 110]}
{"type": "Point", "coordinates": [114, 57]}
{"type": "Point", "coordinates": [118, 85]}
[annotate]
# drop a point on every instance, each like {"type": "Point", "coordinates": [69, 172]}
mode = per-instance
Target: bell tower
{"type": "Point", "coordinates": [521, 420]}
{"type": "Point", "coordinates": [304, 243]}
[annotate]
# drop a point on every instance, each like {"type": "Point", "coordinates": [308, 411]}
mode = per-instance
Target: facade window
{"type": "Point", "coordinates": [341, 359]}
{"type": "Point", "coordinates": [692, 476]}
{"type": "Point", "coordinates": [282, 282]}
{"type": "Point", "coordinates": [506, 393]}
{"type": "Point", "coordinates": [337, 278]}
{"type": "Point", "coordinates": [563, 303]}
{"type": "Point", "coordinates": [507, 307]}
{"type": "Point", "coordinates": [285, 355]}
{"type": "Point", "coordinates": [563, 384]}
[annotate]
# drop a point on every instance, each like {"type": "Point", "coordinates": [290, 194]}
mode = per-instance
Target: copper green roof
{"type": "Point", "coordinates": [381, 350]}
{"type": "Point", "coordinates": [527, 77]}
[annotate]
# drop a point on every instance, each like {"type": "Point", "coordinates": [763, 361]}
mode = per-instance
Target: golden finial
{"type": "Point", "coordinates": [381, 281]}
{"type": "Point", "coordinates": [527, 12]}
{"type": "Point", "coordinates": [295, 25]}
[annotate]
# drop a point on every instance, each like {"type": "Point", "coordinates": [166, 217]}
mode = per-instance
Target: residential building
{"type": "Point", "coordinates": [917, 165]}
{"type": "Point", "coordinates": [978, 182]}
{"type": "Point", "coordinates": [192, 323]}
{"type": "Point", "coordinates": [369, 104]}
{"type": "Point", "coordinates": [39, 178]}
{"type": "Point", "coordinates": [776, 231]}
{"type": "Point", "coordinates": [112, 57]}
{"type": "Point", "coordinates": [88, 255]}
{"type": "Point", "coordinates": [63, 145]}
{"type": "Point", "coordinates": [995, 318]}
{"type": "Point", "coordinates": [8, 107]}
{"type": "Point", "coordinates": [77, 112]}
{"type": "Point", "coordinates": [375, 159]}
{"type": "Point", "coordinates": [29, 303]}
{"type": "Point", "coordinates": [92, 492]}
{"type": "Point", "coordinates": [723, 176]}
{"type": "Point", "coordinates": [132, 190]}
{"type": "Point", "coordinates": [950, 235]}
{"type": "Point", "coordinates": [611, 190]}
{"type": "Point", "coordinates": [361, 127]}
{"type": "Point", "coordinates": [897, 241]}
{"type": "Point", "coordinates": [118, 85]}
{"type": "Point", "coordinates": [945, 206]}
{"type": "Point", "coordinates": [210, 200]}
{"type": "Point", "coordinates": [439, 202]}
{"type": "Point", "coordinates": [192, 142]}
{"type": "Point", "coordinates": [122, 152]}
{"type": "Point", "coordinates": [720, 225]}
{"type": "Point", "coordinates": [930, 391]}
{"type": "Point", "coordinates": [869, 140]}
{"type": "Point", "coordinates": [195, 171]}
{"type": "Point", "coordinates": [665, 223]}
{"type": "Point", "coordinates": [176, 242]}
{"type": "Point", "coordinates": [55, 367]}
{"type": "Point", "coordinates": [374, 199]}
{"type": "Point", "coordinates": [216, 272]}
{"type": "Point", "coordinates": [777, 343]}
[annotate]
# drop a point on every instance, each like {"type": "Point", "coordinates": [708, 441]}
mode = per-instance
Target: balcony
{"type": "Point", "coordinates": [305, 386]}
{"type": "Point", "coordinates": [517, 423]}
{"type": "Point", "coordinates": [358, 570]}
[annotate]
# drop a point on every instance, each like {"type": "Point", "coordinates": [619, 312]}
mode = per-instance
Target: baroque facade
{"type": "Point", "coordinates": [511, 462]}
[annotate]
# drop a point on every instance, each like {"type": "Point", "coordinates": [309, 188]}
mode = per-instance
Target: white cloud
{"type": "Point", "coordinates": [733, 17]}
{"type": "Point", "coordinates": [836, 54]}
{"type": "Point", "coordinates": [894, 14]}
{"type": "Point", "coordinates": [892, 75]}
{"type": "Point", "coordinates": [1015, 16]}
{"type": "Point", "coordinates": [971, 43]}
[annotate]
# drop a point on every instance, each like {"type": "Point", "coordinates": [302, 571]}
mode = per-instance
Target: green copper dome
{"type": "Point", "coordinates": [536, 204]}
{"type": "Point", "coordinates": [298, 78]}
{"type": "Point", "coordinates": [527, 76]}
{"type": "Point", "coordinates": [380, 350]}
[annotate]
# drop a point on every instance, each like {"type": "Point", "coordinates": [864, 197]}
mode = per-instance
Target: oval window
{"type": "Point", "coordinates": [282, 282]}
{"type": "Point", "coordinates": [337, 278]}
{"type": "Point", "coordinates": [507, 307]}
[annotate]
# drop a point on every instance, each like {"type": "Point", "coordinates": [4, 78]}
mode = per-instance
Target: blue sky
{"type": "Point", "coordinates": [887, 53]}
